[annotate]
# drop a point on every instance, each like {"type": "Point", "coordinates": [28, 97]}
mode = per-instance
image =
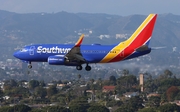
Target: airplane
{"type": "Point", "coordinates": [76, 55]}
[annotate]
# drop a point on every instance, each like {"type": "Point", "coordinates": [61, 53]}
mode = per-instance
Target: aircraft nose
{"type": "Point", "coordinates": [16, 54]}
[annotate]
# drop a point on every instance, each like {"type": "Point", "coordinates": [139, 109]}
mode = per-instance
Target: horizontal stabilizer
{"type": "Point", "coordinates": [157, 48]}
{"type": "Point", "coordinates": [142, 48]}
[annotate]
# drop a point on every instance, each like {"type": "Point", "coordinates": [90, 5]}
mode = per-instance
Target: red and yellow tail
{"type": "Point", "coordinates": [144, 32]}
{"type": "Point", "coordinates": [139, 38]}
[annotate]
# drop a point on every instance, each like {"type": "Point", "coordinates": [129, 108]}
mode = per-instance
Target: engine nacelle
{"type": "Point", "coordinates": [56, 60]}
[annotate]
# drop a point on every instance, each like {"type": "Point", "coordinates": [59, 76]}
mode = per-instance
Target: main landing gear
{"type": "Point", "coordinates": [87, 68]}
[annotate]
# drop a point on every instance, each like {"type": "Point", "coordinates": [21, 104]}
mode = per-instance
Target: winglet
{"type": "Point", "coordinates": [78, 43]}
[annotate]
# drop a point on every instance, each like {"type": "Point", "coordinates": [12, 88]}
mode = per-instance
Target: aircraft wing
{"type": "Point", "coordinates": [75, 53]}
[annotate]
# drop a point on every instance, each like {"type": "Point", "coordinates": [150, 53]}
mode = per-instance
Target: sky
{"type": "Point", "coordinates": [114, 7]}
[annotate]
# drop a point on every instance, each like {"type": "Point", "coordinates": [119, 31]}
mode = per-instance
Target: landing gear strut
{"type": "Point", "coordinates": [29, 65]}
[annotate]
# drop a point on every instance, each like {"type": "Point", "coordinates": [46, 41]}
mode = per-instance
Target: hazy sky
{"type": "Point", "coordinates": [118, 7]}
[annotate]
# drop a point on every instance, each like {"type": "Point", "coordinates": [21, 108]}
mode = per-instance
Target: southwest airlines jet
{"type": "Point", "coordinates": [76, 55]}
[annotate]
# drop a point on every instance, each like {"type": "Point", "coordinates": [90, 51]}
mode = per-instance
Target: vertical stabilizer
{"type": "Point", "coordinates": [143, 34]}
{"type": "Point", "coordinates": [139, 39]}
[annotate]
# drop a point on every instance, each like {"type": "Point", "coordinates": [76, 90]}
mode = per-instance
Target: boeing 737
{"type": "Point", "coordinates": [76, 55]}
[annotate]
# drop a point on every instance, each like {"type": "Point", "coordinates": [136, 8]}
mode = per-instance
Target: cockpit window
{"type": "Point", "coordinates": [23, 50]}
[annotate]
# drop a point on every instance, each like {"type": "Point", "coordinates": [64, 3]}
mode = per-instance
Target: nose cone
{"type": "Point", "coordinates": [16, 54]}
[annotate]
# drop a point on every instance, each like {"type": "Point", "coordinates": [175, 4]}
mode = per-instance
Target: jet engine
{"type": "Point", "coordinates": [56, 60]}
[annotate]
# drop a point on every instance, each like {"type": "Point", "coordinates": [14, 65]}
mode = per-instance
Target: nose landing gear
{"type": "Point", "coordinates": [29, 65]}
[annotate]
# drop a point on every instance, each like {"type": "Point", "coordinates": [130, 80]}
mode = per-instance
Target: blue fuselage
{"type": "Point", "coordinates": [91, 53]}
{"type": "Point", "coordinates": [40, 53]}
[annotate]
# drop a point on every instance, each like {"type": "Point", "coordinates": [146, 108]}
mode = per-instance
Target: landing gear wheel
{"type": "Point", "coordinates": [88, 68]}
{"type": "Point", "coordinates": [79, 67]}
{"type": "Point", "coordinates": [29, 66]}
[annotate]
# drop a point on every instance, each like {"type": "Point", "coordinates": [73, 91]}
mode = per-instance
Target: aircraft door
{"type": "Point", "coordinates": [31, 50]}
{"type": "Point", "coordinates": [122, 54]}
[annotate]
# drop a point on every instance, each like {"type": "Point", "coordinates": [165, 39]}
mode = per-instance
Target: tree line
{"type": "Point", "coordinates": [88, 96]}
